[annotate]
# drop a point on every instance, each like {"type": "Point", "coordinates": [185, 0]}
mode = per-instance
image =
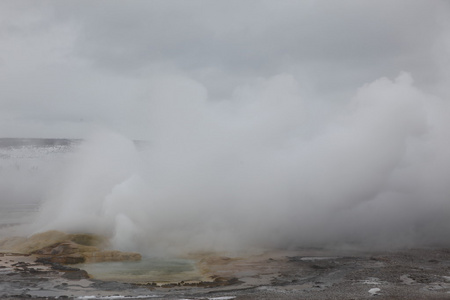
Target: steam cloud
{"type": "Point", "coordinates": [266, 168]}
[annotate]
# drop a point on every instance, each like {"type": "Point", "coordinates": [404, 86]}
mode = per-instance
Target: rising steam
{"type": "Point", "coordinates": [266, 168]}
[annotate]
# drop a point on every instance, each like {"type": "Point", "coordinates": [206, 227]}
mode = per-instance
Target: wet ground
{"type": "Point", "coordinates": [302, 274]}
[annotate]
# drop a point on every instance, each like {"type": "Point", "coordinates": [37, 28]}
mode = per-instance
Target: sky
{"type": "Point", "coordinates": [269, 123]}
{"type": "Point", "coordinates": [68, 67]}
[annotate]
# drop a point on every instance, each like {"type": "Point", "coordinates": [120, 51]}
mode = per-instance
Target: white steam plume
{"type": "Point", "coordinates": [261, 170]}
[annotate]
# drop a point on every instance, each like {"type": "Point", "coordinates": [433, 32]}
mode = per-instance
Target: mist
{"type": "Point", "coordinates": [226, 126]}
{"type": "Point", "coordinates": [260, 171]}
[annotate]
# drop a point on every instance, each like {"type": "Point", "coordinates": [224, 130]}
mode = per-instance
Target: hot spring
{"type": "Point", "coordinates": [149, 269]}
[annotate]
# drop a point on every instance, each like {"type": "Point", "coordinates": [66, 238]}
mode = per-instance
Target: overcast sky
{"type": "Point", "coordinates": [67, 67]}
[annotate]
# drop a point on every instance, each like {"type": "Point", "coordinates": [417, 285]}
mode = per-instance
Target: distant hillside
{"type": "Point", "coordinates": [35, 142]}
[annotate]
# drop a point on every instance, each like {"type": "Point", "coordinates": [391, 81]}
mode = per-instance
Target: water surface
{"type": "Point", "coordinates": [149, 269]}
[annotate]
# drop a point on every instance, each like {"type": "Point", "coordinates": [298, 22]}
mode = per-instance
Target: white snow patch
{"type": "Point", "coordinates": [312, 258]}
{"type": "Point", "coordinates": [116, 297]}
{"type": "Point", "coordinates": [371, 280]}
{"type": "Point", "coordinates": [374, 291]}
{"type": "Point", "coordinates": [407, 280]}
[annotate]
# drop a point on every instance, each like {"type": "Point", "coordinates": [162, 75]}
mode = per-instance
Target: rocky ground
{"type": "Point", "coordinates": [302, 274]}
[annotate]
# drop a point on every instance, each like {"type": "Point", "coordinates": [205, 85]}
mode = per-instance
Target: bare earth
{"type": "Point", "coordinates": [301, 274]}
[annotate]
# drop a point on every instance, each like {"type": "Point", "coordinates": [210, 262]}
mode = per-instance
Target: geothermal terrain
{"type": "Point", "coordinates": [294, 274]}
{"type": "Point", "coordinates": [54, 264]}
{"type": "Point", "coordinates": [225, 149]}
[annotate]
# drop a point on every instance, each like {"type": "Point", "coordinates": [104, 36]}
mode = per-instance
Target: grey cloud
{"type": "Point", "coordinates": [80, 56]}
{"type": "Point", "coordinates": [337, 46]}
{"type": "Point", "coordinates": [240, 35]}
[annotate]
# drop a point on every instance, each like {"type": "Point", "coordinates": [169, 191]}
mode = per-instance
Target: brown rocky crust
{"type": "Point", "coordinates": [63, 248]}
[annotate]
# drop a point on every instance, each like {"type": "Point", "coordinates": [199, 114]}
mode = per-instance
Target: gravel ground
{"type": "Point", "coordinates": [302, 274]}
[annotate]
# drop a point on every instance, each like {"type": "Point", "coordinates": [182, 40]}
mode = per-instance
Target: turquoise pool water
{"type": "Point", "coordinates": [147, 270]}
